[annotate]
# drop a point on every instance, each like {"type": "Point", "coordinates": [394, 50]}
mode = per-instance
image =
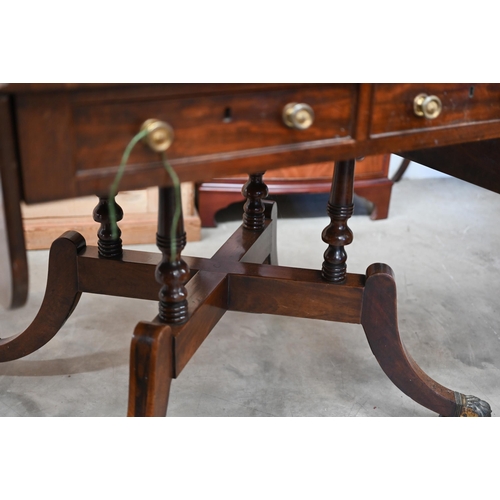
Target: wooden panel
{"type": "Point", "coordinates": [13, 263]}
{"type": "Point", "coordinates": [462, 102]}
{"type": "Point", "coordinates": [370, 167]}
{"type": "Point", "coordinates": [45, 222]}
{"type": "Point", "coordinates": [201, 124]}
{"type": "Point", "coordinates": [46, 147]}
{"type": "Point", "coordinates": [95, 131]}
{"type": "Point", "coordinates": [57, 129]}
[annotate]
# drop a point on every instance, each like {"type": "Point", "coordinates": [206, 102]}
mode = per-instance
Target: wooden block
{"type": "Point", "coordinates": [43, 222]}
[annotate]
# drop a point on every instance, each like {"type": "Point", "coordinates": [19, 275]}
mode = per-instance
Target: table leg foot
{"type": "Point", "coordinates": [379, 320]}
{"type": "Point", "coordinates": [471, 406]}
{"type": "Point", "coordinates": [151, 370]}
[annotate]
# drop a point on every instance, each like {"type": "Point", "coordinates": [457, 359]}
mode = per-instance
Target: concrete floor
{"type": "Point", "coordinates": [441, 239]}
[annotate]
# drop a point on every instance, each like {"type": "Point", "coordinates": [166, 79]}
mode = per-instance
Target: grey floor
{"type": "Point", "coordinates": [441, 239]}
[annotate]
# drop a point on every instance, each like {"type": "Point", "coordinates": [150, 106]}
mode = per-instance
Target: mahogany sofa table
{"type": "Point", "coordinates": [66, 140]}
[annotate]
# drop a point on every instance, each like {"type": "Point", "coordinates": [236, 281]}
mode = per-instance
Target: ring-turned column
{"type": "Point", "coordinates": [172, 272]}
{"type": "Point", "coordinates": [254, 190]}
{"type": "Point", "coordinates": [109, 246]}
{"type": "Point", "coordinates": [337, 234]}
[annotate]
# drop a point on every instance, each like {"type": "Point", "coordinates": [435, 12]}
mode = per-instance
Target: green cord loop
{"type": "Point", "coordinates": [175, 182]}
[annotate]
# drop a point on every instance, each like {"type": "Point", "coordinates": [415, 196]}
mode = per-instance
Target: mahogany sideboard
{"type": "Point", "coordinates": [65, 140]}
{"type": "Point", "coordinates": [371, 181]}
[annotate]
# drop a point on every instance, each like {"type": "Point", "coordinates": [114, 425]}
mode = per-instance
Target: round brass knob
{"type": "Point", "coordinates": [299, 116]}
{"type": "Point", "coordinates": [427, 105]}
{"type": "Point", "coordinates": [160, 135]}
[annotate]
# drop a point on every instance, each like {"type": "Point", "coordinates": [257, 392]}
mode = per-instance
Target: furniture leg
{"type": "Point", "coordinates": [401, 170]}
{"type": "Point", "coordinates": [254, 190]}
{"type": "Point", "coordinates": [151, 350]}
{"type": "Point", "coordinates": [61, 297]}
{"type": "Point", "coordinates": [151, 370]}
{"type": "Point", "coordinates": [172, 272]}
{"type": "Point", "coordinates": [13, 261]}
{"type": "Point", "coordinates": [337, 234]}
{"type": "Point", "coordinates": [377, 192]}
{"type": "Point", "coordinates": [256, 211]}
{"type": "Point", "coordinates": [379, 320]}
{"type": "Point", "coordinates": [160, 352]}
{"type": "Point", "coordinates": [213, 201]}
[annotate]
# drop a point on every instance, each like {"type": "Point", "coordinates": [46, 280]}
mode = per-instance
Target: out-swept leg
{"type": "Point", "coordinates": [61, 297]}
{"type": "Point", "coordinates": [151, 360]}
{"type": "Point", "coordinates": [379, 320]}
{"type": "Point", "coordinates": [151, 370]}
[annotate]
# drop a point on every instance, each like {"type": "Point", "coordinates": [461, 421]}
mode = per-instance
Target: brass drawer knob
{"type": "Point", "coordinates": [160, 135]}
{"type": "Point", "coordinates": [299, 116]}
{"type": "Point", "coordinates": [427, 105]}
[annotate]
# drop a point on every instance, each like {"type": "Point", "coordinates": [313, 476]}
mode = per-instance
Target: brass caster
{"type": "Point", "coordinates": [471, 406]}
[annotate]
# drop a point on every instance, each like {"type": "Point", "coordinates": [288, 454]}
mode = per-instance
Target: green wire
{"type": "Point", "coordinates": [175, 182]}
{"type": "Point", "coordinates": [113, 190]}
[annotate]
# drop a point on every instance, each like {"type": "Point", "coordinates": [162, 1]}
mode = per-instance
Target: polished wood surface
{"type": "Point", "coordinates": [88, 128]}
{"type": "Point", "coordinates": [67, 137]}
{"type": "Point", "coordinates": [371, 182]}
{"type": "Point", "coordinates": [337, 234]}
{"type": "Point", "coordinates": [12, 249]}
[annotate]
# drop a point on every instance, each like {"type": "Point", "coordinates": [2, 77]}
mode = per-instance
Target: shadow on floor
{"type": "Point", "coordinates": [292, 206]}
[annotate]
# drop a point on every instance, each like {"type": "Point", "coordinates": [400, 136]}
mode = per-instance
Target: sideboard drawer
{"type": "Point", "coordinates": [393, 108]}
{"type": "Point", "coordinates": [209, 125]}
{"type": "Point", "coordinates": [95, 131]}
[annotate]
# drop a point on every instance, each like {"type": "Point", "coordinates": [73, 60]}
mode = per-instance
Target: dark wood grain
{"type": "Point", "coordinates": [352, 120]}
{"type": "Point", "coordinates": [370, 182]}
{"type": "Point", "coordinates": [61, 297]}
{"type": "Point", "coordinates": [380, 322]}
{"type": "Point", "coordinates": [254, 191]}
{"type": "Point", "coordinates": [172, 272]}
{"type": "Point", "coordinates": [14, 281]}
{"type": "Point", "coordinates": [151, 370]}
{"type": "Point", "coordinates": [393, 106]}
{"type": "Point", "coordinates": [46, 147]}
{"type": "Point", "coordinates": [70, 139]}
{"type": "Point", "coordinates": [201, 127]}
{"type": "Point", "coordinates": [110, 246]}
{"type": "Point", "coordinates": [310, 297]}
{"type": "Point", "coordinates": [97, 132]}
{"type": "Point", "coordinates": [338, 234]}
{"type": "Point", "coordinates": [207, 295]}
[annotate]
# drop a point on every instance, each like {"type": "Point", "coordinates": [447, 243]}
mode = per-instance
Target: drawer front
{"type": "Point", "coordinates": [209, 125]}
{"type": "Point", "coordinates": [392, 106]}
{"type": "Point", "coordinates": [76, 139]}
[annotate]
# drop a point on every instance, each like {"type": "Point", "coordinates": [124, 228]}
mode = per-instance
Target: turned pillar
{"type": "Point", "coordinates": [172, 272]}
{"type": "Point", "coordinates": [109, 245]}
{"type": "Point", "coordinates": [254, 190]}
{"type": "Point", "coordinates": [337, 234]}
